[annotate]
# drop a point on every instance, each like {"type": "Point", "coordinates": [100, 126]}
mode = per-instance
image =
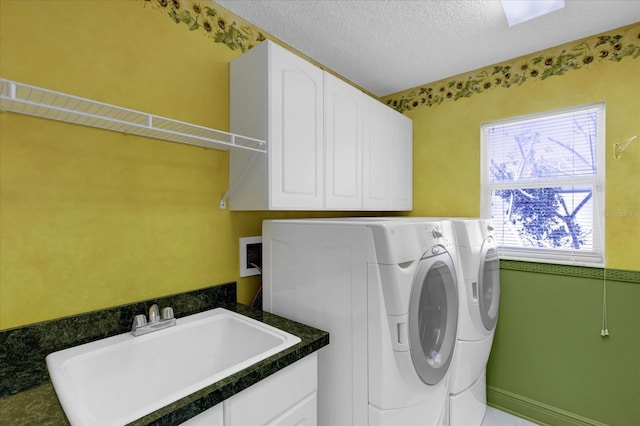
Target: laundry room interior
{"type": "Point", "coordinates": [92, 219]}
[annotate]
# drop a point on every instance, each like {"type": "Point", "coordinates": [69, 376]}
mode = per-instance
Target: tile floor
{"type": "Point", "coordinates": [495, 417]}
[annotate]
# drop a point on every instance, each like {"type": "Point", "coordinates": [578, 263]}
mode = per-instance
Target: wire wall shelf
{"type": "Point", "coordinates": [36, 101]}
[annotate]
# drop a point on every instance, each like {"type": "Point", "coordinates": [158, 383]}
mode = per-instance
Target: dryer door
{"type": "Point", "coordinates": [433, 315]}
{"type": "Point", "coordinates": [489, 284]}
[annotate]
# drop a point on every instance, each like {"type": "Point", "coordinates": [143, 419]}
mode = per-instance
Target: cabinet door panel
{"type": "Point", "coordinates": [378, 158]}
{"type": "Point", "coordinates": [403, 167]}
{"type": "Point", "coordinates": [304, 413]}
{"type": "Point", "coordinates": [343, 144]}
{"type": "Point", "coordinates": [272, 397]}
{"type": "Point", "coordinates": [296, 134]}
{"type": "Point", "coordinates": [299, 156]}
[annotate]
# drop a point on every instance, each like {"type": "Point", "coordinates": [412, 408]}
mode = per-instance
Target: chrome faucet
{"type": "Point", "coordinates": [156, 321]}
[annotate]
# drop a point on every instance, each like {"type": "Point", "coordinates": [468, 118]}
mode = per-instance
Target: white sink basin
{"type": "Point", "coordinates": [119, 379]}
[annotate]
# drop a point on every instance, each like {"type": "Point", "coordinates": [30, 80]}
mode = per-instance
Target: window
{"type": "Point", "coordinates": [543, 185]}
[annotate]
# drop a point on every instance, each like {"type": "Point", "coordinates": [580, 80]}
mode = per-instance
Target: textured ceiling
{"type": "Point", "coordinates": [386, 46]}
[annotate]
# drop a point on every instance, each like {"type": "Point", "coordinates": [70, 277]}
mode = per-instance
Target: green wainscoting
{"type": "Point", "coordinates": [549, 361]}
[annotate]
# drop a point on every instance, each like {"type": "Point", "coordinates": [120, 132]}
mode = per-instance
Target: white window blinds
{"type": "Point", "coordinates": [542, 184]}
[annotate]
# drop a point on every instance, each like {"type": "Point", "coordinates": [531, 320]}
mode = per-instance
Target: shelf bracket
{"type": "Point", "coordinates": [234, 185]}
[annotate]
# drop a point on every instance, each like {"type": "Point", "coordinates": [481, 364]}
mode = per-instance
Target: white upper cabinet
{"type": "Point", "coordinates": [377, 157]}
{"type": "Point", "coordinates": [344, 126]}
{"type": "Point", "coordinates": [296, 131]}
{"type": "Point", "coordinates": [387, 159]}
{"type": "Point", "coordinates": [329, 146]}
{"type": "Point", "coordinates": [278, 96]}
{"type": "Point", "coordinates": [402, 197]}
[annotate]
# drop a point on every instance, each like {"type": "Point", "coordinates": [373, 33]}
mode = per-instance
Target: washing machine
{"type": "Point", "coordinates": [478, 316]}
{"type": "Point", "coordinates": [387, 293]}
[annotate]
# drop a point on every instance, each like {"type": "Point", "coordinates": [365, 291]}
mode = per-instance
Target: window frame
{"type": "Point", "coordinates": [594, 257]}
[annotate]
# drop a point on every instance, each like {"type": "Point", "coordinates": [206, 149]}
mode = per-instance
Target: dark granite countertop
{"type": "Point", "coordinates": [39, 405]}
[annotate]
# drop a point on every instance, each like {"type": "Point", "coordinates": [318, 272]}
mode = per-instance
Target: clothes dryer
{"type": "Point", "coordinates": [387, 293]}
{"type": "Point", "coordinates": [478, 316]}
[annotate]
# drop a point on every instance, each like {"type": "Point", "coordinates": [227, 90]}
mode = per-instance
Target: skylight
{"type": "Point", "coordinates": [519, 11]}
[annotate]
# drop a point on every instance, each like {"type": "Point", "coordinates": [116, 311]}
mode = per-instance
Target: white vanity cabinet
{"type": "Point", "coordinates": [288, 397]}
{"type": "Point", "coordinates": [329, 145]}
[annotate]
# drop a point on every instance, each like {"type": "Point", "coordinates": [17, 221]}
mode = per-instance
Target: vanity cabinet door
{"type": "Point", "coordinates": [343, 121]}
{"type": "Point", "coordinates": [304, 413]}
{"type": "Point", "coordinates": [285, 398]}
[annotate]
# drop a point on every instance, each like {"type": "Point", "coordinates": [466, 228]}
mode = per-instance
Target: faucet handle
{"type": "Point", "coordinates": [167, 313]}
{"type": "Point", "coordinates": [138, 322]}
{"type": "Point", "coordinates": [154, 313]}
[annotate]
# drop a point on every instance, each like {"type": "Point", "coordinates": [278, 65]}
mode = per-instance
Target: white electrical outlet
{"type": "Point", "coordinates": [250, 256]}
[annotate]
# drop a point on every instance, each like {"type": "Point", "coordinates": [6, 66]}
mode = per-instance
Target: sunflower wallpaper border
{"type": "Point", "coordinates": [585, 53]}
{"type": "Point", "coordinates": [225, 27]}
{"type": "Point", "coordinates": [210, 19]}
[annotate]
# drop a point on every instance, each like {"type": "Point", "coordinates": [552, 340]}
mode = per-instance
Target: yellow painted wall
{"type": "Point", "coordinates": [447, 143]}
{"type": "Point", "coordinates": [89, 218]}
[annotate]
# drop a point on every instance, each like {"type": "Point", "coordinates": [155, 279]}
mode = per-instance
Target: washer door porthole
{"type": "Point", "coordinates": [433, 316]}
